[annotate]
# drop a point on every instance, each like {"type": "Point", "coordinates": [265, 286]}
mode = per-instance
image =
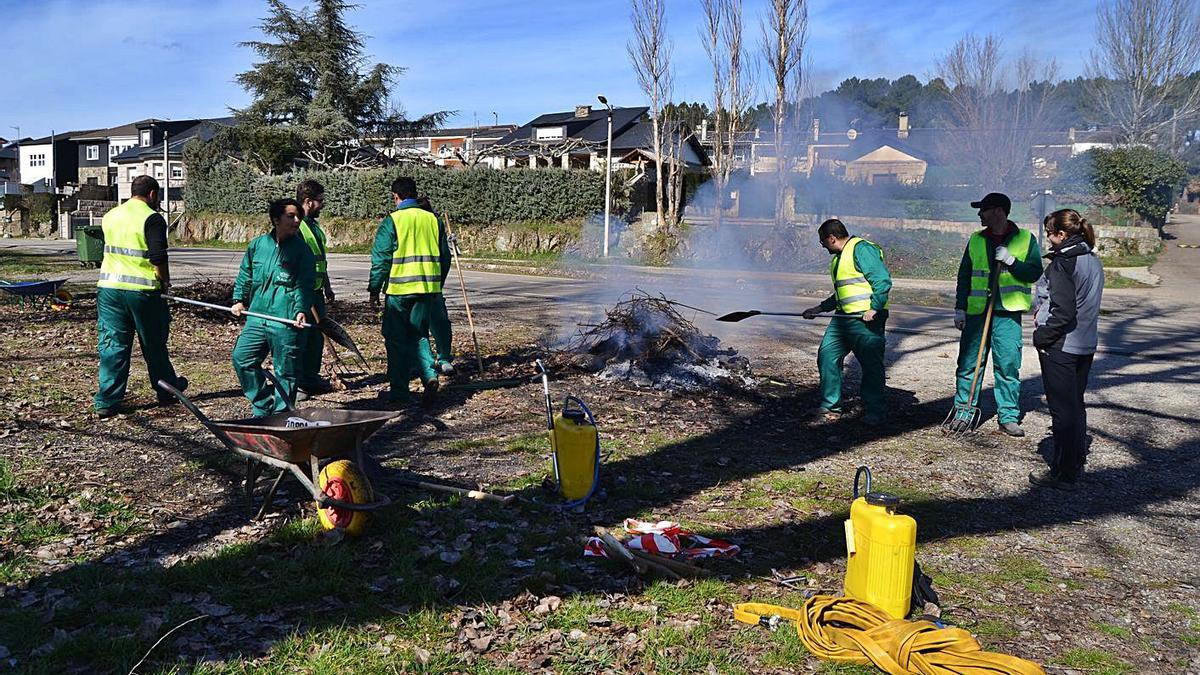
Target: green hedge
{"type": "Point", "coordinates": [475, 196]}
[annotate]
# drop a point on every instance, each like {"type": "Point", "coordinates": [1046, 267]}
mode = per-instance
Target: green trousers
{"type": "Point", "coordinates": [439, 328]}
{"type": "Point", "coordinates": [1004, 344]}
{"type": "Point", "coordinates": [284, 343]}
{"type": "Point", "coordinates": [405, 322]}
{"type": "Point", "coordinates": [312, 348]}
{"type": "Point", "coordinates": [866, 341]}
{"type": "Point", "coordinates": [120, 314]}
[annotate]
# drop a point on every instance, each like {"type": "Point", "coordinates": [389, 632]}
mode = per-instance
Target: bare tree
{"type": "Point", "coordinates": [784, 35]}
{"type": "Point", "coordinates": [1000, 108]}
{"type": "Point", "coordinates": [650, 53]}
{"type": "Point", "coordinates": [732, 88]}
{"type": "Point", "coordinates": [1145, 50]}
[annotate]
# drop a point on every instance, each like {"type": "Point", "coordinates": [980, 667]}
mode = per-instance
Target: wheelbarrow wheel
{"type": "Point", "coordinates": [341, 480]}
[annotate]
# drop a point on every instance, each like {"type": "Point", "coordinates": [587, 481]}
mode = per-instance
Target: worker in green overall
{"type": "Point", "coordinates": [129, 299]}
{"type": "Point", "coordinates": [275, 278]}
{"type": "Point", "coordinates": [407, 261]}
{"type": "Point", "coordinates": [311, 196]}
{"type": "Point", "coordinates": [439, 321]}
{"type": "Point", "coordinates": [861, 283]}
{"type": "Point", "coordinates": [1004, 259]}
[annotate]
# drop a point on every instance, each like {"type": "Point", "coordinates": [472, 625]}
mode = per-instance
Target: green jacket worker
{"type": "Point", "coordinates": [1002, 260]}
{"type": "Point", "coordinates": [861, 284]}
{"type": "Point", "coordinates": [129, 299]}
{"type": "Point", "coordinates": [311, 196]}
{"type": "Point", "coordinates": [407, 263]}
{"type": "Point", "coordinates": [276, 278]}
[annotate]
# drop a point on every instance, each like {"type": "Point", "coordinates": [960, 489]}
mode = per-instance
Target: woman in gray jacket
{"type": "Point", "coordinates": [1067, 308]}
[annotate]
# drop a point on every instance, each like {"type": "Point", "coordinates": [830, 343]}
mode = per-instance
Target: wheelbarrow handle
{"type": "Point", "coordinates": [208, 424]}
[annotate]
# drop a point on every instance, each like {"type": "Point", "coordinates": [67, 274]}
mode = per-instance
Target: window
{"type": "Point", "coordinates": [92, 180]}
{"type": "Point", "coordinates": [93, 153]}
{"type": "Point", "coordinates": [176, 171]}
{"type": "Point", "coordinates": [549, 133]}
{"type": "Point", "coordinates": [145, 137]}
{"type": "Point", "coordinates": [158, 171]}
{"type": "Point", "coordinates": [132, 173]}
{"type": "Point", "coordinates": [37, 160]}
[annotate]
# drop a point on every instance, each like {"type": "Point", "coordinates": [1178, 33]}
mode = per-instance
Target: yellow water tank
{"type": "Point", "coordinates": [575, 444]}
{"type": "Point", "coordinates": [881, 547]}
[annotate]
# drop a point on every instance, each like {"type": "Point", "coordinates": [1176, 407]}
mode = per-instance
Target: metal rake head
{"type": "Point", "coordinates": [961, 420]}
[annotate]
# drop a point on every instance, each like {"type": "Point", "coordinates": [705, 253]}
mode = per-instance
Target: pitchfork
{"type": "Point", "coordinates": [963, 419]}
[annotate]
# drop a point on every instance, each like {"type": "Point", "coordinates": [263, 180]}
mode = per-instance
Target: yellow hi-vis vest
{"type": "Point", "coordinates": [416, 262]}
{"type": "Point", "coordinates": [317, 244]}
{"type": "Point", "coordinates": [126, 263]}
{"type": "Point", "coordinates": [851, 287]}
{"type": "Point", "coordinates": [1015, 295]}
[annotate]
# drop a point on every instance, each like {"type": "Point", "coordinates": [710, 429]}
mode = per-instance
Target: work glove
{"type": "Point", "coordinates": [960, 319]}
{"type": "Point", "coordinates": [374, 300]}
{"type": "Point", "coordinates": [1002, 255]}
{"type": "Point", "coordinates": [328, 294]}
{"type": "Point", "coordinates": [811, 312]}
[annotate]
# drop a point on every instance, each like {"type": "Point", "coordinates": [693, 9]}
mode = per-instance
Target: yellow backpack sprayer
{"type": "Point", "coordinates": [574, 447]}
{"type": "Point", "coordinates": [881, 547]}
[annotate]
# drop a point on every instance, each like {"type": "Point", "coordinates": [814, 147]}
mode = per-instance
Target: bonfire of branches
{"type": "Point", "coordinates": [645, 329]}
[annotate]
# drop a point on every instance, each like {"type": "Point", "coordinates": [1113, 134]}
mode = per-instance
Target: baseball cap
{"type": "Point", "coordinates": [992, 200]}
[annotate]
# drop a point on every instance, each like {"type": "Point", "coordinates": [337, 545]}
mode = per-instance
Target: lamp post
{"type": "Point", "coordinates": [607, 173]}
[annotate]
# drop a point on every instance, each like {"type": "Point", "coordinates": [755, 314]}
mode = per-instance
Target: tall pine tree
{"type": "Point", "coordinates": [317, 99]}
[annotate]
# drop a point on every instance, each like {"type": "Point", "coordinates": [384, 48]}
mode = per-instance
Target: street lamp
{"type": "Point", "coordinates": [607, 174]}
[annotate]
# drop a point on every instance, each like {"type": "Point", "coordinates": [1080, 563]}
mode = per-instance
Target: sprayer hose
{"type": "Point", "coordinates": [852, 631]}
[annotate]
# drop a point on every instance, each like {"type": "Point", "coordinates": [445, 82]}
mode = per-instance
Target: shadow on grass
{"type": "Point", "coordinates": [290, 593]}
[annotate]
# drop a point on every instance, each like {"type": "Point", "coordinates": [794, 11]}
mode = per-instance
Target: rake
{"type": "Point", "coordinates": [963, 419]}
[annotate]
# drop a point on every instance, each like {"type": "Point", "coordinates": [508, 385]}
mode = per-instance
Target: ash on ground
{"type": "Point", "coordinates": [645, 341]}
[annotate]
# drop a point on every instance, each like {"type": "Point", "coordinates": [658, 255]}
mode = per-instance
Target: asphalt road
{"type": "Point", "coordinates": [1155, 324]}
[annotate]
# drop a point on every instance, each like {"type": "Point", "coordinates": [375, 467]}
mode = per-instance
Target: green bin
{"type": "Point", "coordinates": [89, 240]}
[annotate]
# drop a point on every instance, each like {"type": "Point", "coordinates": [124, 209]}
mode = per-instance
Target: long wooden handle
{"type": "Point", "coordinates": [462, 283]}
{"type": "Point", "coordinates": [987, 324]}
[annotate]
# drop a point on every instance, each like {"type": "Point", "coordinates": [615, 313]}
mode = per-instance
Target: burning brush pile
{"type": "Point", "coordinates": [645, 341]}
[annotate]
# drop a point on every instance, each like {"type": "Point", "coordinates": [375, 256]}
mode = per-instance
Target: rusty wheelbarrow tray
{"type": "Point", "coordinates": [269, 441]}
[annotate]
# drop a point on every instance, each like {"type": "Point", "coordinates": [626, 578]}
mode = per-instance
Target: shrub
{"type": "Point", "coordinates": [1137, 178]}
{"type": "Point", "coordinates": [475, 196]}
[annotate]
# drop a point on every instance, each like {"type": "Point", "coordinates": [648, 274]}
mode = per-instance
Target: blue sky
{"type": "Point", "coordinates": [75, 64]}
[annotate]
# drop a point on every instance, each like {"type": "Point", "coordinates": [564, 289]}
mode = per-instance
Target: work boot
{"type": "Point", "coordinates": [316, 387]}
{"type": "Point", "coordinates": [301, 396]}
{"type": "Point", "coordinates": [429, 396]}
{"type": "Point", "coordinates": [1047, 478]}
{"type": "Point", "coordinates": [445, 367]}
{"type": "Point", "coordinates": [164, 398]}
{"type": "Point", "coordinates": [1012, 429]}
{"type": "Point", "coordinates": [105, 413]}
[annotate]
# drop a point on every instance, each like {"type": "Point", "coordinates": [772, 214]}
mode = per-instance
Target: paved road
{"type": "Point", "coordinates": [1154, 324]}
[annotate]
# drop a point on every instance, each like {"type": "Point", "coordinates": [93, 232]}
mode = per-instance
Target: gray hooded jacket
{"type": "Point", "coordinates": [1067, 299]}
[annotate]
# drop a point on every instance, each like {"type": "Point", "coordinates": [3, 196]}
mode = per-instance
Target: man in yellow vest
{"type": "Point", "coordinates": [861, 283]}
{"type": "Point", "coordinates": [407, 261]}
{"type": "Point", "coordinates": [311, 196]}
{"type": "Point", "coordinates": [129, 299]}
{"type": "Point", "coordinates": [1004, 260]}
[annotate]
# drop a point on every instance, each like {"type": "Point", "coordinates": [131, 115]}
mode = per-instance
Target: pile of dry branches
{"type": "Point", "coordinates": [646, 330]}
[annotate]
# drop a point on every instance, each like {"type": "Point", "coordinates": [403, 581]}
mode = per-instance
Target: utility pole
{"type": "Point", "coordinates": [495, 119]}
{"type": "Point", "coordinates": [607, 174]}
{"type": "Point", "coordinates": [166, 178]}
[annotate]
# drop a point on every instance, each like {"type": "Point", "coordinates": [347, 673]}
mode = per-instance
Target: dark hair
{"type": "Point", "coordinates": [405, 188]}
{"type": "Point", "coordinates": [143, 185]}
{"type": "Point", "coordinates": [834, 227]}
{"type": "Point", "coordinates": [279, 206]}
{"type": "Point", "coordinates": [423, 203]}
{"type": "Point", "coordinates": [309, 189]}
{"type": "Point", "coordinates": [1069, 221]}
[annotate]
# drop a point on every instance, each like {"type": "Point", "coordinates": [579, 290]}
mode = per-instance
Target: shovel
{"type": "Point", "coordinates": [739, 316]}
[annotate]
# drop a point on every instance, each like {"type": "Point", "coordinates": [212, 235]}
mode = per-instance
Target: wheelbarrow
{"type": "Point", "coordinates": [296, 441]}
{"type": "Point", "coordinates": [47, 291]}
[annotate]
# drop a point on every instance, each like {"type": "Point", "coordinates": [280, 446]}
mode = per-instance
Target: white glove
{"type": "Point", "coordinates": [960, 319]}
{"type": "Point", "coordinates": [1002, 255]}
